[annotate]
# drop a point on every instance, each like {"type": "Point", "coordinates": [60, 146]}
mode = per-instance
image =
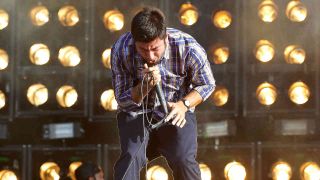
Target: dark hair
{"type": "Point", "coordinates": [148, 24]}
{"type": "Point", "coordinates": [86, 170]}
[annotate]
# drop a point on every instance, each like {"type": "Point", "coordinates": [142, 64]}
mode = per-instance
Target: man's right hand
{"type": "Point", "coordinates": [152, 75]}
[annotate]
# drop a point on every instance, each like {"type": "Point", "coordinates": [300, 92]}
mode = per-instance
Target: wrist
{"type": "Point", "coordinates": [186, 103]}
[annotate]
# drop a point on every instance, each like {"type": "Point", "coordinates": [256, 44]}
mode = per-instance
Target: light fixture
{"type": "Point", "coordinates": [294, 54]}
{"type": "Point", "coordinates": [49, 171]}
{"type": "Point", "coordinates": [299, 93]}
{"type": "Point", "coordinates": [222, 19]}
{"type": "Point", "coordinates": [217, 128]}
{"type": "Point", "coordinates": [62, 130]}
{"type": "Point", "coordinates": [72, 168]}
{"type": "Point", "coordinates": [235, 171]}
{"type": "Point", "coordinates": [310, 171]}
{"type": "Point", "coordinates": [157, 172]}
{"type": "Point", "coordinates": [39, 15]}
{"type": "Point", "coordinates": [267, 11]}
{"type": "Point", "coordinates": [296, 11]}
{"type": "Point", "coordinates": [106, 58]}
{"type": "Point", "coordinates": [264, 51]}
{"type": "Point", "coordinates": [7, 175]}
{"type": "Point", "coordinates": [4, 59]}
{"type": "Point", "coordinates": [69, 56]}
{"type": "Point", "coordinates": [205, 172]}
{"type": "Point", "coordinates": [220, 54]}
{"type": "Point", "coordinates": [113, 20]}
{"type": "Point", "coordinates": [266, 94]}
{"type": "Point", "coordinates": [67, 96]}
{"type": "Point", "coordinates": [68, 16]}
{"type": "Point", "coordinates": [281, 171]}
{"type": "Point", "coordinates": [37, 94]}
{"type": "Point", "coordinates": [108, 100]}
{"type": "Point", "coordinates": [220, 96]}
{"type": "Point", "coordinates": [3, 131]}
{"type": "Point", "coordinates": [295, 127]}
{"type": "Point", "coordinates": [188, 14]}
{"type": "Point", "coordinates": [4, 19]}
{"type": "Point", "coordinates": [39, 54]}
{"type": "Point", "coordinates": [2, 99]}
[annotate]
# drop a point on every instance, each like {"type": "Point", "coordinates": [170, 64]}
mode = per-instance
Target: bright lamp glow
{"type": "Point", "coordinates": [37, 94]}
{"type": "Point", "coordinates": [67, 96]}
{"type": "Point", "coordinates": [264, 51]}
{"type": "Point", "coordinates": [108, 100]}
{"type": "Point", "coordinates": [49, 171]}
{"type": "Point", "coordinates": [268, 11]}
{"type": "Point", "coordinates": [4, 59]}
{"type": "Point", "coordinates": [39, 15]}
{"type": "Point", "coordinates": [222, 19]}
{"type": "Point", "coordinates": [69, 56]}
{"type": "Point", "coordinates": [72, 168]}
{"type": "Point", "coordinates": [4, 19]}
{"type": "Point", "coordinates": [220, 54]}
{"type": "Point", "coordinates": [294, 54]}
{"type": "Point", "coordinates": [113, 20]}
{"type": "Point", "coordinates": [39, 54]}
{"type": "Point", "coordinates": [205, 172]}
{"type": "Point", "coordinates": [235, 171]}
{"type": "Point", "coordinates": [2, 99]}
{"type": "Point", "coordinates": [7, 175]}
{"type": "Point", "coordinates": [281, 171]}
{"type": "Point", "coordinates": [266, 93]}
{"type": "Point", "coordinates": [299, 92]}
{"type": "Point", "coordinates": [296, 11]}
{"type": "Point", "coordinates": [106, 58]}
{"type": "Point", "coordinates": [157, 173]}
{"type": "Point", "coordinates": [220, 96]}
{"type": "Point", "coordinates": [188, 14]}
{"type": "Point", "coordinates": [310, 171]}
{"type": "Point", "coordinates": [68, 16]}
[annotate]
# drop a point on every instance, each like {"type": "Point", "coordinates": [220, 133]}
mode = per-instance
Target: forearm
{"type": "Point", "coordinates": [194, 98]}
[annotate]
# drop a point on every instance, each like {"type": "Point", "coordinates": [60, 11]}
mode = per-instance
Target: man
{"type": "Point", "coordinates": [153, 54]}
{"type": "Point", "coordinates": [89, 171]}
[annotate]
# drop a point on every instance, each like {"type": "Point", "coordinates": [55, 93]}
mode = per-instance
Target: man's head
{"type": "Point", "coordinates": [149, 33]}
{"type": "Point", "coordinates": [89, 171]}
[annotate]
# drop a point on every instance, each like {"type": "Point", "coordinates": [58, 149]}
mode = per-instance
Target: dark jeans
{"type": "Point", "coordinates": [177, 145]}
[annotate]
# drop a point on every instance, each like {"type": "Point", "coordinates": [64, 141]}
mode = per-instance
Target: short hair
{"type": "Point", "coordinates": [148, 24]}
{"type": "Point", "coordinates": [86, 170]}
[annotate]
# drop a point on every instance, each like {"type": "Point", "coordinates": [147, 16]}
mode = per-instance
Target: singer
{"type": "Point", "coordinates": [153, 55]}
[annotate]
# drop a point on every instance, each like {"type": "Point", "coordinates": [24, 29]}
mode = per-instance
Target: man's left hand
{"type": "Point", "coordinates": [177, 113]}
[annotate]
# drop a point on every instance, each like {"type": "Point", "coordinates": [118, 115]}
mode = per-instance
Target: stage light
{"type": "Point", "coordinates": [296, 11]}
{"type": "Point", "coordinates": [7, 175]}
{"type": "Point", "coordinates": [4, 19]}
{"type": "Point", "coordinates": [106, 58]}
{"type": "Point", "coordinates": [2, 99]}
{"type": "Point", "coordinates": [113, 20]}
{"type": "Point", "coordinates": [157, 173]}
{"type": "Point", "coordinates": [67, 96]}
{"type": "Point", "coordinates": [188, 14]}
{"type": "Point", "coordinates": [62, 130]}
{"type": "Point", "coordinates": [310, 171]}
{"type": "Point", "coordinates": [205, 172]}
{"type": "Point", "coordinates": [268, 11]}
{"type": "Point", "coordinates": [266, 93]}
{"type": "Point", "coordinates": [220, 96]}
{"type": "Point", "coordinates": [39, 54]}
{"type": "Point", "coordinates": [294, 54]}
{"type": "Point", "coordinates": [235, 171]}
{"type": "Point", "coordinates": [4, 59]}
{"type": "Point", "coordinates": [295, 127]}
{"type": "Point", "coordinates": [217, 129]}
{"type": "Point", "coordinates": [37, 94]}
{"type": "Point", "coordinates": [220, 54]}
{"type": "Point", "coordinates": [68, 16]}
{"type": "Point", "coordinates": [69, 56]}
{"type": "Point", "coordinates": [49, 171]}
{"type": "Point", "coordinates": [264, 51]}
{"type": "Point", "coordinates": [39, 15]}
{"type": "Point", "coordinates": [281, 171]}
{"type": "Point", "coordinates": [72, 168]}
{"type": "Point", "coordinates": [108, 100]}
{"type": "Point", "coordinates": [222, 19]}
{"type": "Point", "coordinates": [299, 92]}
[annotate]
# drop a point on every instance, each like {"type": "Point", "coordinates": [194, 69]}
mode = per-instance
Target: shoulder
{"type": "Point", "coordinates": [179, 37]}
{"type": "Point", "coordinates": [124, 41]}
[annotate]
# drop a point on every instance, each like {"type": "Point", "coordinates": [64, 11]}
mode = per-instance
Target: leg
{"type": "Point", "coordinates": [179, 147]}
{"type": "Point", "coordinates": [132, 143]}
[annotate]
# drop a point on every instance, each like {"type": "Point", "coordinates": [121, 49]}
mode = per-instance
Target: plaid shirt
{"type": "Point", "coordinates": [183, 67]}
